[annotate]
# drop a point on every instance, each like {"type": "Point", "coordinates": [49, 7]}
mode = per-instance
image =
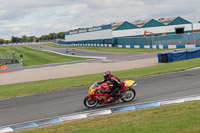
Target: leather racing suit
{"type": "Point", "coordinates": [115, 85]}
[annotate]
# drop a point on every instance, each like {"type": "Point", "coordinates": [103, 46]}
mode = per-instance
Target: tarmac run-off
{"type": "Point", "coordinates": [72, 70]}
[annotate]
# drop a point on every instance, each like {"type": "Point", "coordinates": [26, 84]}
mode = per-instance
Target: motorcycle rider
{"type": "Point", "coordinates": [115, 84]}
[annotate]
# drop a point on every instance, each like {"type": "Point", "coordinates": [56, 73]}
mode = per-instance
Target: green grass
{"type": "Point", "coordinates": [35, 57]}
{"type": "Point", "coordinates": [108, 49]}
{"type": "Point", "coordinates": [177, 118]}
{"type": "Point", "coordinates": [27, 88]}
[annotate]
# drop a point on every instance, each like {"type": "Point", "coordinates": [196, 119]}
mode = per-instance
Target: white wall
{"type": "Point", "coordinates": [187, 27]}
{"type": "Point", "coordinates": [155, 30]}
{"type": "Point", "coordinates": [196, 26]}
{"type": "Point", "coordinates": [129, 32]}
{"type": "Point", "coordinates": [102, 34]}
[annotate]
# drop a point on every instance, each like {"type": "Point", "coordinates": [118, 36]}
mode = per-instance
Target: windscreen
{"type": "Point", "coordinates": [95, 85]}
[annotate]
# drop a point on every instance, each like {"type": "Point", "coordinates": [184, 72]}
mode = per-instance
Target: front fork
{"type": "Point", "coordinates": [89, 96]}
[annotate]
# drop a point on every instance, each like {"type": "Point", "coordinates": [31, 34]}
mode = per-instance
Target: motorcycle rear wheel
{"type": "Point", "coordinates": [90, 104]}
{"type": "Point", "coordinates": [128, 95]}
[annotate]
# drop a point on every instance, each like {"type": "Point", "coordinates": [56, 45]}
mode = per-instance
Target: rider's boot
{"type": "Point", "coordinates": [109, 100]}
{"type": "Point", "coordinates": [116, 97]}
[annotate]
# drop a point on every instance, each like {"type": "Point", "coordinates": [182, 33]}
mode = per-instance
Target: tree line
{"type": "Point", "coordinates": [24, 38]}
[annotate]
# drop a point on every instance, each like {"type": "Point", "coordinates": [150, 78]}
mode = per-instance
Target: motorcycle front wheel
{"type": "Point", "coordinates": [90, 104]}
{"type": "Point", "coordinates": [128, 95]}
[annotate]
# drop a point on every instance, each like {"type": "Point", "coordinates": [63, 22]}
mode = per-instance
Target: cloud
{"type": "Point", "coordinates": [34, 17]}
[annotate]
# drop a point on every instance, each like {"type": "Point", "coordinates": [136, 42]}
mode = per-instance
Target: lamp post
{"type": "Point", "coordinates": [13, 57]}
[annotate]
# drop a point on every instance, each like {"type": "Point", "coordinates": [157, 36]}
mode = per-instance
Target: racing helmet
{"type": "Point", "coordinates": [107, 75]}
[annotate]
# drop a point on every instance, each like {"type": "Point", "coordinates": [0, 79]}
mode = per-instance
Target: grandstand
{"type": "Point", "coordinates": [177, 29]}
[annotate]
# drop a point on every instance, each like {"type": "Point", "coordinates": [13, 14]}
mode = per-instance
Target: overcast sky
{"type": "Point", "coordinates": [39, 17]}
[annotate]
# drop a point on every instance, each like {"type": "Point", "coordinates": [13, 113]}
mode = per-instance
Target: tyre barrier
{"type": "Point", "coordinates": [4, 67]}
{"type": "Point", "coordinates": [82, 115]}
{"type": "Point", "coordinates": [178, 55]}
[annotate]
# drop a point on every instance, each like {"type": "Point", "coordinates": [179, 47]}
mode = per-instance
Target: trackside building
{"type": "Point", "coordinates": [98, 35]}
{"type": "Point", "coordinates": [164, 31]}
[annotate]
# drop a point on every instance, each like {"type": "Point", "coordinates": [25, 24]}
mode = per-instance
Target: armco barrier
{"type": "Point", "coordinates": [178, 55]}
{"type": "Point", "coordinates": [86, 45]}
{"type": "Point", "coordinates": [159, 46]}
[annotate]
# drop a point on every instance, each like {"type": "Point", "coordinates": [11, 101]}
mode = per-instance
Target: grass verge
{"type": "Point", "coordinates": [27, 88]}
{"type": "Point", "coordinates": [36, 57]}
{"type": "Point", "coordinates": [107, 49]}
{"type": "Point", "coordinates": [177, 118]}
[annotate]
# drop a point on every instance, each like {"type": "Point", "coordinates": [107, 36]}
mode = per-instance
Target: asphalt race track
{"type": "Point", "coordinates": [109, 57]}
{"type": "Point", "coordinates": [46, 105]}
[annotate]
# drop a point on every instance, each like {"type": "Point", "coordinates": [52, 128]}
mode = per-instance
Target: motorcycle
{"type": "Point", "coordinates": [98, 95]}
